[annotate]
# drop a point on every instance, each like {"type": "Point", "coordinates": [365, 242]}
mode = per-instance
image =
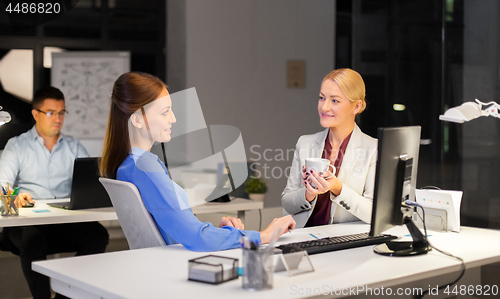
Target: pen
{"type": "Point", "coordinates": [245, 242]}
{"type": "Point", "coordinates": [7, 200]}
{"type": "Point", "coordinates": [16, 190]}
{"type": "Point", "coordinates": [313, 236]}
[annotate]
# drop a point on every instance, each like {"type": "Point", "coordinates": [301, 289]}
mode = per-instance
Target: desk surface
{"type": "Point", "coordinates": [236, 204]}
{"type": "Point", "coordinates": [42, 213]}
{"type": "Point", "coordinates": [51, 215]}
{"type": "Point", "coordinates": [162, 272]}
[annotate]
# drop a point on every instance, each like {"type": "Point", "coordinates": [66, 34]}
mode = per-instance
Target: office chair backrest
{"type": "Point", "coordinates": [137, 223]}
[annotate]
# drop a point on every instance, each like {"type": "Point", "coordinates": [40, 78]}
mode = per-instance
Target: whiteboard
{"type": "Point", "coordinates": [86, 80]}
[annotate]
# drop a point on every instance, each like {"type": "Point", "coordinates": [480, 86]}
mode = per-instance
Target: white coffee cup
{"type": "Point", "coordinates": [319, 165]}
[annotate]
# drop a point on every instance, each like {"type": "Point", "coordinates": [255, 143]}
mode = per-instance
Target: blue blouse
{"type": "Point", "coordinates": [168, 204]}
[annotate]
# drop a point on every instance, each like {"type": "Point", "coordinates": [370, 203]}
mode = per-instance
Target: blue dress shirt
{"type": "Point", "coordinates": [27, 163]}
{"type": "Point", "coordinates": [168, 204]}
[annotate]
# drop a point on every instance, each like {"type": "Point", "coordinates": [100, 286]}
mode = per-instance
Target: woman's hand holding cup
{"type": "Point", "coordinates": [319, 181]}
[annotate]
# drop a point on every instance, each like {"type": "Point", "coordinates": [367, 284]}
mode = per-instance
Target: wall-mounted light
{"type": "Point", "coordinates": [16, 71]}
{"type": "Point", "coordinates": [4, 116]}
{"type": "Point", "coordinates": [398, 107]}
{"type": "Point", "coordinates": [16, 74]}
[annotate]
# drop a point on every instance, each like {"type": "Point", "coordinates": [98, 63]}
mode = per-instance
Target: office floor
{"type": "Point", "coordinates": [14, 286]}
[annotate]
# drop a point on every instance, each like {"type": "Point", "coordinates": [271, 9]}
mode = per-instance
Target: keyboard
{"type": "Point", "coordinates": [339, 243]}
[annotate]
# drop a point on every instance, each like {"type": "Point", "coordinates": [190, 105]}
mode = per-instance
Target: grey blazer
{"type": "Point", "coordinates": [357, 173]}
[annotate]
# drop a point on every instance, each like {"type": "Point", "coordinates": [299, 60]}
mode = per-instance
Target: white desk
{"type": "Point", "coordinates": [237, 204]}
{"type": "Point", "coordinates": [27, 216]}
{"type": "Point", "coordinates": [161, 272]}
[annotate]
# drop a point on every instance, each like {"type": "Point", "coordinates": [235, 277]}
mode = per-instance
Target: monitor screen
{"type": "Point", "coordinates": [395, 182]}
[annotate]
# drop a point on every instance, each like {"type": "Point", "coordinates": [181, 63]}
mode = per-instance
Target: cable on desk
{"type": "Point", "coordinates": [462, 266]}
{"type": "Point", "coordinates": [430, 187]}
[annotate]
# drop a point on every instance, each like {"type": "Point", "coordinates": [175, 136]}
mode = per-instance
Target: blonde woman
{"type": "Point", "coordinates": [312, 198]}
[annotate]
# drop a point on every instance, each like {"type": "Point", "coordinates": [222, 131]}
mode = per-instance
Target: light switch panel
{"type": "Point", "coordinates": [296, 73]}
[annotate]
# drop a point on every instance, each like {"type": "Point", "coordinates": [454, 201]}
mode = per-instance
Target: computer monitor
{"type": "Point", "coordinates": [395, 181]}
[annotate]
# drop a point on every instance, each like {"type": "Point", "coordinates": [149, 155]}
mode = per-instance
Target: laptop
{"type": "Point", "coordinates": [86, 190]}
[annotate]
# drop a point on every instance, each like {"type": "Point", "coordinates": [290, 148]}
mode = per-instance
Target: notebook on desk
{"type": "Point", "coordinates": [86, 190]}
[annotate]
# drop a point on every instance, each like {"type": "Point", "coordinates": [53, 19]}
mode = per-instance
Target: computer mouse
{"type": "Point", "coordinates": [291, 249]}
{"type": "Point", "coordinates": [28, 204]}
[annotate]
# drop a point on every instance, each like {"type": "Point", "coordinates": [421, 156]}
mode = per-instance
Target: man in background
{"type": "Point", "coordinates": [40, 162]}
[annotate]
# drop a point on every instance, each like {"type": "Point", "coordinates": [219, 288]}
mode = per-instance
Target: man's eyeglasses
{"type": "Point", "coordinates": [61, 113]}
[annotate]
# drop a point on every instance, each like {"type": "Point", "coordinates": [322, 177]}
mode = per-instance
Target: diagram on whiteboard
{"type": "Point", "coordinates": [86, 80]}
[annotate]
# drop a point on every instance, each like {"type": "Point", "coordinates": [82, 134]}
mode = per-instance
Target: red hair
{"type": "Point", "coordinates": [131, 91]}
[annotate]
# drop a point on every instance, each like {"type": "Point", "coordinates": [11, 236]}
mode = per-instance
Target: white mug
{"type": "Point", "coordinates": [319, 165]}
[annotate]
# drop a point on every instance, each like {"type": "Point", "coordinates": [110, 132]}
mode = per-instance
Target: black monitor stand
{"type": "Point", "coordinates": [418, 246]}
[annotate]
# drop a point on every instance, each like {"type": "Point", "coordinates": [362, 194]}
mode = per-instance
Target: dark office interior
{"type": "Point", "coordinates": [429, 56]}
{"type": "Point", "coordinates": [408, 52]}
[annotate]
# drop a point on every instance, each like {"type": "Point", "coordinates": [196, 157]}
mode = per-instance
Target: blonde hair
{"type": "Point", "coordinates": [351, 83]}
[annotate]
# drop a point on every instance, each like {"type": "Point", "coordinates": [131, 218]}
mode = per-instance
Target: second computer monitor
{"type": "Point", "coordinates": [396, 176]}
{"type": "Point", "coordinates": [395, 181]}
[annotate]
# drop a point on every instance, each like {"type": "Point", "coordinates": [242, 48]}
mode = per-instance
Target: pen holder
{"type": "Point", "coordinates": [9, 206]}
{"type": "Point", "coordinates": [257, 272]}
